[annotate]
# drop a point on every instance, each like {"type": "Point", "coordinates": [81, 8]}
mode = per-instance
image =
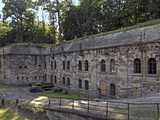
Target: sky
{"type": "Point", "coordinates": [39, 13]}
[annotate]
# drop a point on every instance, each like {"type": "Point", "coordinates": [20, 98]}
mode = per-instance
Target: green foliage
{"type": "Point", "coordinates": [63, 95]}
{"type": "Point", "coordinates": [4, 29]}
{"type": "Point", "coordinates": [96, 16]}
{"type": "Point", "coordinates": [69, 21]}
{"type": "Point", "coordinates": [25, 27]}
{"type": "Point", "coordinates": [10, 114]}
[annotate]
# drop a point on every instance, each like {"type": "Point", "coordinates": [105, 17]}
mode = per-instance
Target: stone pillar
{"type": "Point", "coordinates": [144, 68]}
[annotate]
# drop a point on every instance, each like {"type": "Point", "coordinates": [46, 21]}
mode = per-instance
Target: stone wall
{"type": "Point", "coordinates": [127, 82]}
{"type": "Point", "coordinates": [29, 63]}
{"type": "Point", "coordinates": [123, 48]}
{"type": "Point", "coordinates": [72, 115]}
{"type": "Point", "coordinates": [24, 64]}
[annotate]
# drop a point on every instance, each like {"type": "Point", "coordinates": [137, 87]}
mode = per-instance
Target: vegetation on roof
{"type": "Point", "coordinates": [138, 25]}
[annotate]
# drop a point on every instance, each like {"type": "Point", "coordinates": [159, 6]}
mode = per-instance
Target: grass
{"type": "Point", "coordinates": [69, 95]}
{"type": "Point", "coordinates": [9, 114]}
{"type": "Point", "coordinates": [5, 86]}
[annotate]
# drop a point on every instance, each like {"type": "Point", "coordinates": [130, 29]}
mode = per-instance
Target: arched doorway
{"type": "Point", "coordinates": [112, 90]}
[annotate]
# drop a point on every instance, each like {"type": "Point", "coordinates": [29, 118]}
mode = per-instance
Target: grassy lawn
{"type": "Point", "coordinates": [69, 95]}
{"type": "Point", "coordinates": [9, 114]}
{"type": "Point", "coordinates": [4, 86]}
{"type": "Point", "coordinates": [7, 86]}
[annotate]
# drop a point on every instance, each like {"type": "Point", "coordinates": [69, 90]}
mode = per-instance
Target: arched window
{"type": "Point", "coordinates": [112, 65]}
{"type": "Point", "coordinates": [63, 65]}
{"type": "Point", "coordinates": [51, 79]}
{"type": "Point", "coordinates": [51, 65]}
{"type": "Point", "coordinates": [112, 90]}
{"type": "Point", "coordinates": [55, 79]}
{"type": "Point", "coordinates": [152, 66]}
{"type": "Point", "coordinates": [68, 65]}
{"type": "Point", "coordinates": [103, 66]}
{"type": "Point", "coordinates": [137, 65]}
{"type": "Point", "coordinates": [80, 83]}
{"type": "Point", "coordinates": [55, 65]}
{"type": "Point", "coordinates": [86, 85]}
{"type": "Point", "coordinates": [68, 82]}
{"type": "Point", "coordinates": [64, 81]}
{"type": "Point", "coordinates": [35, 77]}
{"type": "Point", "coordinates": [80, 65]}
{"type": "Point", "coordinates": [86, 64]}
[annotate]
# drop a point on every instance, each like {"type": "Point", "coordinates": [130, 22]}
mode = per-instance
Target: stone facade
{"type": "Point", "coordinates": [22, 64]}
{"type": "Point", "coordinates": [124, 64]}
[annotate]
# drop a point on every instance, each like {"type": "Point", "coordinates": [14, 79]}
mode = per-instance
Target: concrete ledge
{"type": "Point", "coordinates": [86, 115]}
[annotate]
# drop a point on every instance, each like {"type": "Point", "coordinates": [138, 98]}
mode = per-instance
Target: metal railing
{"type": "Point", "coordinates": [111, 109]}
{"type": "Point", "coordinates": [107, 109]}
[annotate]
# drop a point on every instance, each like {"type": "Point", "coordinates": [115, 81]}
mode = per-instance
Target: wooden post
{"type": "Point", "coordinates": [128, 111]}
{"type": "Point", "coordinates": [73, 104]}
{"type": "Point", "coordinates": [88, 105]}
{"type": "Point", "coordinates": [107, 105]}
{"type": "Point", "coordinates": [49, 102]}
{"type": "Point", "coordinates": [17, 101]}
{"type": "Point", "coordinates": [157, 111]}
{"type": "Point", "coordinates": [60, 102]}
{"type": "Point", "coordinates": [2, 102]}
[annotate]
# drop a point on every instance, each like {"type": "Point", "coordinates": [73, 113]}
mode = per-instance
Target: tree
{"type": "Point", "coordinates": [17, 11]}
{"type": "Point", "coordinates": [82, 20]}
{"type": "Point", "coordinates": [72, 24]}
{"type": "Point", "coordinates": [91, 16]}
{"type": "Point", "coordinates": [68, 21]}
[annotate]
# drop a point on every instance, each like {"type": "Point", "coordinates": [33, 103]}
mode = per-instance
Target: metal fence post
{"type": "Point", "coordinates": [49, 102]}
{"type": "Point", "coordinates": [88, 106]}
{"type": "Point", "coordinates": [60, 102]}
{"type": "Point", "coordinates": [107, 105]}
{"type": "Point", "coordinates": [128, 111]}
{"type": "Point", "coordinates": [157, 111]}
{"type": "Point", "coordinates": [73, 104]}
{"type": "Point", "coordinates": [2, 102]}
{"type": "Point", "coordinates": [17, 101]}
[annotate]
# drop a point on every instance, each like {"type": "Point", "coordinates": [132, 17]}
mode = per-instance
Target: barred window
{"type": "Point", "coordinates": [86, 64]}
{"type": "Point", "coordinates": [68, 65]}
{"type": "Point", "coordinates": [36, 60]}
{"type": "Point", "coordinates": [112, 65]}
{"type": "Point", "coordinates": [103, 66]}
{"type": "Point", "coordinates": [137, 65]}
{"type": "Point", "coordinates": [64, 81]}
{"type": "Point", "coordinates": [80, 83]}
{"type": "Point", "coordinates": [68, 82]}
{"type": "Point", "coordinates": [112, 90]}
{"type": "Point", "coordinates": [63, 65]}
{"type": "Point", "coordinates": [152, 66]}
{"type": "Point", "coordinates": [51, 65]}
{"type": "Point", "coordinates": [86, 84]}
{"type": "Point", "coordinates": [80, 65]}
{"type": "Point", "coordinates": [55, 79]}
{"type": "Point", "coordinates": [51, 79]}
{"type": "Point", "coordinates": [55, 65]}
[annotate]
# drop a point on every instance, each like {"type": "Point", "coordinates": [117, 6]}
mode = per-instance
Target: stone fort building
{"type": "Point", "coordinates": [122, 64]}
